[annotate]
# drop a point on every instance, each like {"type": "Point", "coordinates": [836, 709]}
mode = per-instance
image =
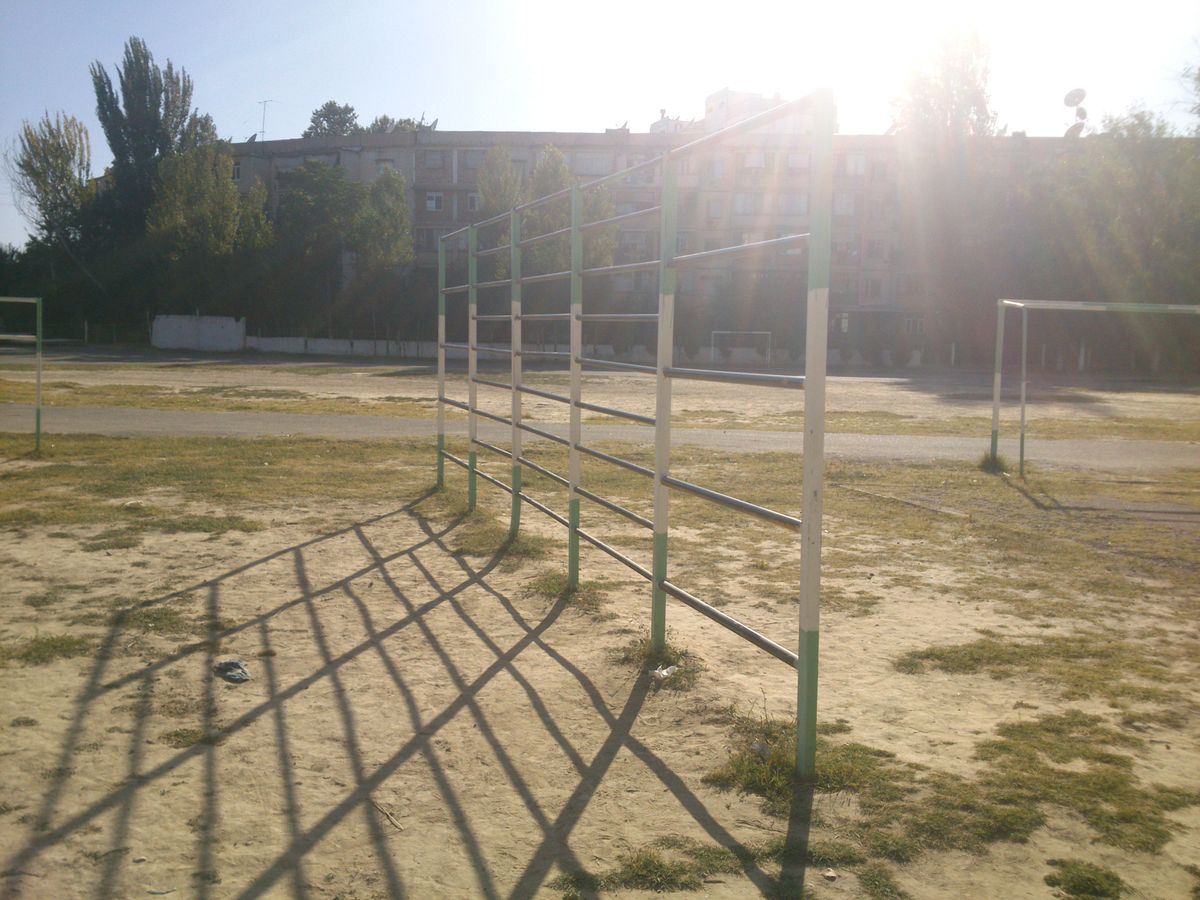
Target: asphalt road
{"type": "Point", "coordinates": [129, 422]}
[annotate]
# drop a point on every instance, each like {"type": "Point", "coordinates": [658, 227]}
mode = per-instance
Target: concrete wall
{"type": "Point", "coordinates": [198, 333]}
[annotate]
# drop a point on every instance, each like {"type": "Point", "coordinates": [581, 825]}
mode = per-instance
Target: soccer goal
{"type": "Point", "coordinates": [727, 340]}
{"type": "Point", "coordinates": [1002, 306]}
{"type": "Point", "coordinates": [36, 339]}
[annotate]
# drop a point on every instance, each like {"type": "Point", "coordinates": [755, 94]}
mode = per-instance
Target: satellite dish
{"type": "Point", "coordinates": [1075, 130]}
{"type": "Point", "coordinates": [252, 138]}
{"type": "Point", "coordinates": [1080, 113]}
{"type": "Point", "coordinates": [1075, 97]}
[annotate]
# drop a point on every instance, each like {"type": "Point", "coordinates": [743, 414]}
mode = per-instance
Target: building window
{"type": "Point", "coordinates": [592, 164]}
{"type": "Point", "coordinates": [237, 171]}
{"type": "Point", "coordinates": [840, 323]}
{"type": "Point", "coordinates": [793, 204]}
{"type": "Point", "coordinates": [434, 159]}
{"type": "Point", "coordinates": [384, 165]}
{"type": "Point", "coordinates": [855, 165]}
{"type": "Point", "coordinates": [715, 208]}
{"type": "Point", "coordinates": [754, 159]}
{"type": "Point", "coordinates": [879, 171]}
{"type": "Point", "coordinates": [874, 249]}
{"type": "Point", "coordinates": [473, 202]}
{"type": "Point", "coordinates": [872, 288]}
{"type": "Point", "coordinates": [716, 169]}
{"type": "Point", "coordinates": [914, 325]}
{"type": "Point", "coordinates": [843, 203]}
{"type": "Point", "coordinates": [743, 204]}
{"type": "Point", "coordinates": [472, 159]}
{"type": "Point", "coordinates": [683, 242]}
{"type": "Point", "coordinates": [433, 201]}
{"type": "Point", "coordinates": [797, 160]}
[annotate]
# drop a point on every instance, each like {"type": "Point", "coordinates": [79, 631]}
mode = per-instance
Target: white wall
{"type": "Point", "coordinates": [198, 333]}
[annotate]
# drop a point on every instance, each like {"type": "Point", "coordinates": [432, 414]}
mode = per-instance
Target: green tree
{"type": "Point", "coordinates": [150, 119]}
{"type": "Point", "coordinates": [50, 171]}
{"type": "Point", "coordinates": [332, 119]}
{"type": "Point", "coordinates": [386, 124]}
{"type": "Point", "coordinates": [950, 101]}
{"type": "Point", "coordinates": [205, 231]}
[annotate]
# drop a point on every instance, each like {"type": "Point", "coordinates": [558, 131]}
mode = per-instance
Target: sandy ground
{"type": "Point", "coordinates": [418, 724]}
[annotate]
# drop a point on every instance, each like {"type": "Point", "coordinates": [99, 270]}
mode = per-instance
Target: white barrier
{"type": "Point", "coordinates": [220, 333]}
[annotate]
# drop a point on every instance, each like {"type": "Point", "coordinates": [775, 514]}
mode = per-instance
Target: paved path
{"type": "Point", "coordinates": [128, 422]}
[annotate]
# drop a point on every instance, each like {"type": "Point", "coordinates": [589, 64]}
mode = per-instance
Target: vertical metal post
{"type": "Point", "coordinates": [1024, 381]}
{"type": "Point", "coordinates": [668, 236]}
{"type": "Point", "coordinates": [37, 401]}
{"type": "Point", "coordinates": [441, 364]}
{"type": "Point", "coordinates": [472, 361]}
{"type": "Point", "coordinates": [574, 462]}
{"type": "Point", "coordinates": [996, 379]}
{"type": "Point", "coordinates": [815, 350]}
{"type": "Point", "coordinates": [515, 343]}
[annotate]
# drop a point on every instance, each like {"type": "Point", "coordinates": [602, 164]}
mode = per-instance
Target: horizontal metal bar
{"type": "Point", "coordinates": [456, 289]}
{"type": "Point", "coordinates": [617, 317]}
{"type": "Point", "coordinates": [455, 459]}
{"type": "Point", "coordinates": [20, 299]}
{"type": "Point", "coordinates": [19, 337]}
{"type": "Point", "coordinates": [495, 318]}
{"type": "Point", "coordinates": [503, 385]}
{"type": "Point", "coordinates": [546, 276]}
{"type": "Point", "coordinates": [747, 124]}
{"type": "Point", "coordinates": [543, 508]}
{"type": "Point", "coordinates": [613, 411]}
{"type": "Point", "coordinates": [545, 317]}
{"type": "Point", "coordinates": [490, 250]}
{"type": "Point", "coordinates": [493, 417]}
{"type": "Point", "coordinates": [458, 404]}
{"type": "Point", "coordinates": [615, 554]}
{"type": "Point", "coordinates": [546, 354]}
{"type": "Point", "coordinates": [623, 173]}
{"type": "Point", "coordinates": [738, 248]}
{"type": "Point", "coordinates": [561, 398]}
{"type": "Point", "coordinates": [525, 241]}
{"type": "Point", "coordinates": [544, 434]}
{"type": "Point", "coordinates": [755, 378]}
{"type": "Point", "coordinates": [448, 346]}
{"type": "Point", "coordinates": [485, 285]}
{"type": "Point", "coordinates": [734, 503]}
{"type": "Point", "coordinates": [478, 348]}
{"type": "Point", "coordinates": [641, 266]}
{"type": "Point", "coordinates": [1088, 306]}
{"type": "Point", "coordinates": [565, 192]}
{"type": "Point", "coordinates": [619, 366]}
{"type": "Point", "coordinates": [743, 631]}
{"type": "Point", "coordinates": [492, 221]}
{"type": "Point", "coordinates": [541, 470]}
{"type": "Point", "coordinates": [613, 507]}
{"type": "Point", "coordinates": [494, 480]}
{"type": "Point", "coordinates": [616, 461]}
{"type": "Point", "coordinates": [497, 450]}
{"type": "Point", "coordinates": [624, 217]}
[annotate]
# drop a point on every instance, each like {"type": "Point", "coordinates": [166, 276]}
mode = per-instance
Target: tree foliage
{"type": "Point", "coordinates": [147, 118]}
{"type": "Point", "coordinates": [949, 101]}
{"type": "Point", "coordinates": [385, 124]}
{"type": "Point", "coordinates": [332, 119]}
{"type": "Point", "coordinates": [50, 171]}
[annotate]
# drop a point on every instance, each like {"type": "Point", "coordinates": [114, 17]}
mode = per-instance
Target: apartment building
{"type": "Point", "coordinates": [749, 188]}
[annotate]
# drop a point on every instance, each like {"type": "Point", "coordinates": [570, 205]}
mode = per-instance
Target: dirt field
{"type": "Point", "coordinates": [1009, 671]}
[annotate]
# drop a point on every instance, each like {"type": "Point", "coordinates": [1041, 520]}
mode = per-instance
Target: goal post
{"type": "Point", "coordinates": [36, 337]}
{"type": "Point", "coordinates": [712, 342]}
{"type": "Point", "coordinates": [1003, 305]}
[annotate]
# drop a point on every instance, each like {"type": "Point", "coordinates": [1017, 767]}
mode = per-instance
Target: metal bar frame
{"type": "Point", "coordinates": [805, 662]}
{"type": "Point", "coordinates": [36, 303]}
{"type": "Point", "coordinates": [1005, 304]}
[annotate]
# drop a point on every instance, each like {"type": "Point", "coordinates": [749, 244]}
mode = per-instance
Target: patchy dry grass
{"type": "Point", "coordinates": [1084, 880]}
{"type": "Point", "coordinates": [45, 649]}
{"type": "Point", "coordinates": [642, 654]}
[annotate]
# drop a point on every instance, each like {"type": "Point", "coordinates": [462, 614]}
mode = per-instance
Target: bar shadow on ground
{"type": "Point", "coordinates": [427, 585]}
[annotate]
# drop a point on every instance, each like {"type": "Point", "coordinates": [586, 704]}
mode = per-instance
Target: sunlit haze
{"type": "Point", "coordinates": [541, 65]}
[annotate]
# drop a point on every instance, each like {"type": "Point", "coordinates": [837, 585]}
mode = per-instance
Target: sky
{"type": "Point", "coordinates": [583, 66]}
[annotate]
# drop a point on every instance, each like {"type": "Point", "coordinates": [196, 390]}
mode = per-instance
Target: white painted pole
{"type": "Point", "coordinates": [575, 330]}
{"type": "Point", "coordinates": [472, 362]}
{"type": "Point", "coordinates": [996, 379]}
{"type": "Point", "coordinates": [515, 344]}
{"type": "Point", "coordinates": [441, 363]}
{"type": "Point", "coordinates": [1024, 382]}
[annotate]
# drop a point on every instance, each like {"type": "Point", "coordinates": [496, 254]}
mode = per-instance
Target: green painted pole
{"type": "Point", "coordinates": [996, 380]}
{"type": "Point", "coordinates": [472, 363]}
{"type": "Point", "coordinates": [667, 242]}
{"type": "Point", "coordinates": [441, 365]}
{"type": "Point", "coordinates": [812, 505]}
{"type": "Point", "coordinates": [1024, 382]}
{"type": "Point", "coordinates": [574, 458]}
{"type": "Point", "coordinates": [37, 409]}
{"type": "Point", "coordinates": [515, 344]}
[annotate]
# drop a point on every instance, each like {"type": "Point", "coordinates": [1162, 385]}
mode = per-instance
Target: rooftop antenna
{"type": "Point", "coordinates": [263, 104]}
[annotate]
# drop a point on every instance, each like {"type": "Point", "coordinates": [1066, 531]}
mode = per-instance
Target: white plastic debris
{"type": "Point", "coordinates": [662, 674]}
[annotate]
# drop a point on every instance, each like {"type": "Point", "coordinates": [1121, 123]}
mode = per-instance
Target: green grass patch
{"type": "Point", "coordinates": [182, 738]}
{"type": "Point", "coordinates": [1085, 880]}
{"type": "Point", "coordinates": [878, 883]}
{"type": "Point", "coordinates": [45, 649]}
{"type": "Point", "coordinates": [23, 722]}
{"type": "Point", "coordinates": [641, 653]}
{"type": "Point", "coordinates": [587, 596]}
{"type": "Point", "coordinates": [1082, 664]}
